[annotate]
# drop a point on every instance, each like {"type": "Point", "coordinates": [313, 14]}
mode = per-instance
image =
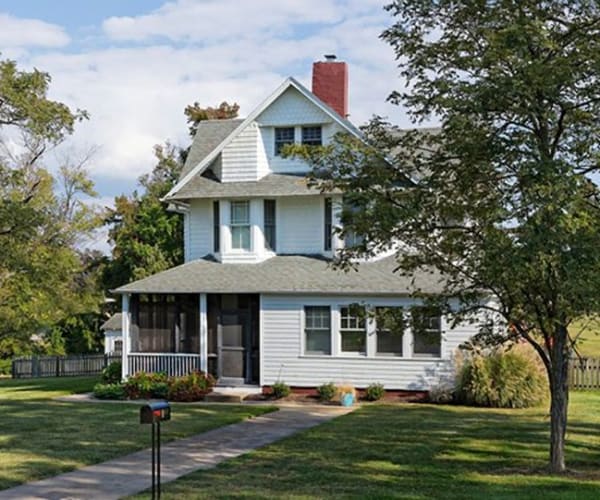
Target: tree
{"type": "Point", "coordinates": [40, 222]}
{"type": "Point", "coordinates": [147, 237]}
{"type": "Point", "coordinates": [501, 199]}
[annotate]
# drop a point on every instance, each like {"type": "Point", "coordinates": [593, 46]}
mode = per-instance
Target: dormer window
{"type": "Point", "coordinates": [240, 225]}
{"type": "Point", "coordinates": [283, 136]}
{"type": "Point", "coordinates": [312, 136]}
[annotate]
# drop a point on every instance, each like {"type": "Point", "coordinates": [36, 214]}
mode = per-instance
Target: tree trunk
{"type": "Point", "coordinates": [559, 391]}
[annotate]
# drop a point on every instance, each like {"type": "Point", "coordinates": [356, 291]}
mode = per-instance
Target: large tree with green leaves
{"type": "Point", "coordinates": [502, 199]}
{"type": "Point", "coordinates": [41, 216]}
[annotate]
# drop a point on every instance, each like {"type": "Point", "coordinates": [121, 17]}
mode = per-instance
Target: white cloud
{"type": "Point", "coordinates": [18, 32]}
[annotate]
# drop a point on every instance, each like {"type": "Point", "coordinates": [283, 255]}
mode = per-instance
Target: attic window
{"type": "Point", "coordinates": [283, 136]}
{"type": "Point", "coordinates": [311, 136]}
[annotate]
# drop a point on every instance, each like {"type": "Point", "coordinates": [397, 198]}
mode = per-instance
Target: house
{"type": "Point", "coordinates": [257, 300]}
{"type": "Point", "coordinates": [113, 338]}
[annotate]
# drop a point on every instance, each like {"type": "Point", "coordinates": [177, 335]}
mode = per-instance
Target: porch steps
{"type": "Point", "coordinates": [231, 394]}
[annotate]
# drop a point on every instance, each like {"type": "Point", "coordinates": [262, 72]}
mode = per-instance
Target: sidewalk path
{"type": "Point", "coordinates": [131, 474]}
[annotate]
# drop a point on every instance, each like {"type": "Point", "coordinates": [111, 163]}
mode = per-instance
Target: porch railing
{"type": "Point", "coordinates": [170, 363]}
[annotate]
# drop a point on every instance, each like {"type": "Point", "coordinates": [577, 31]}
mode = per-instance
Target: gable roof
{"type": "Point", "coordinates": [288, 274]}
{"type": "Point", "coordinates": [289, 82]}
{"type": "Point", "coordinates": [209, 135]}
{"type": "Point", "coordinates": [113, 323]}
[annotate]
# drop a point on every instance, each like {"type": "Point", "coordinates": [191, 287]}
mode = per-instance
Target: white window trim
{"type": "Point", "coordinates": [351, 354]}
{"type": "Point", "coordinates": [248, 225]}
{"type": "Point", "coordinates": [303, 353]}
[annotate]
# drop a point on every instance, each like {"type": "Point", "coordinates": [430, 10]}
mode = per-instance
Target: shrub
{"type": "Point", "coordinates": [326, 392]}
{"type": "Point", "coordinates": [146, 385]}
{"type": "Point", "coordinates": [5, 366]}
{"type": "Point", "coordinates": [192, 387]}
{"type": "Point", "coordinates": [281, 390]}
{"type": "Point", "coordinates": [374, 392]}
{"type": "Point", "coordinates": [342, 389]}
{"type": "Point", "coordinates": [109, 391]}
{"type": "Point", "coordinates": [112, 374]}
{"type": "Point", "coordinates": [441, 394]}
{"type": "Point", "coordinates": [501, 378]}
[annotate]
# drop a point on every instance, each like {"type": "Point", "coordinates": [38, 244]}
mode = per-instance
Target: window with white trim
{"type": "Point", "coordinates": [328, 224]}
{"type": "Point", "coordinates": [283, 136]}
{"type": "Point", "coordinates": [353, 329]}
{"type": "Point", "coordinates": [390, 325]}
{"type": "Point", "coordinates": [427, 332]}
{"type": "Point", "coordinates": [216, 227]}
{"type": "Point", "coordinates": [317, 330]}
{"type": "Point", "coordinates": [269, 225]}
{"type": "Point", "coordinates": [312, 136]}
{"type": "Point", "coordinates": [240, 225]}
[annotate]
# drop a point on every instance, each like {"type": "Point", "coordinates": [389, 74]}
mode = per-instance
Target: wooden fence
{"type": "Point", "coordinates": [584, 373]}
{"type": "Point", "coordinates": [61, 366]}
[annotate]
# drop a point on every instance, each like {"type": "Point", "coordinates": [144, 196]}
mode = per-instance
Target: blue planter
{"type": "Point", "coordinates": [347, 399]}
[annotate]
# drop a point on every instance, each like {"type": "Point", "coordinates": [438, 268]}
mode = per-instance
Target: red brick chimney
{"type": "Point", "coordinates": [330, 83]}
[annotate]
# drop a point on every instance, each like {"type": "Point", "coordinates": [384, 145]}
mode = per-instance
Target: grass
{"type": "Point", "coordinates": [416, 452]}
{"type": "Point", "coordinates": [589, 344]}
{"type": "Point", "coordinates": [40, 437]}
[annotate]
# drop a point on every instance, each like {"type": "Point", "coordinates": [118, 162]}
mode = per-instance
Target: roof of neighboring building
{"type": "Point", "coordinates": [209, 135]}
{"type": "Point", "coordinates": [207, 186]}
{"type": "Point", "coordinates": [112, 323]}
{"type": "Point", "coordinates": [287, 274]}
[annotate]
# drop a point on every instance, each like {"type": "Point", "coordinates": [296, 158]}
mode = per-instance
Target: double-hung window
{"type": "Point", "coordinates": [351, 238]}
{"type": "Point", "coordinates": [353, 329]}
{"type": "Point", "coordinates": [390, 324]}
{"type": "Point", "coordinates": [240, 225]}
{"type": "Point", "coordinates": [216, 227]}
{"type": "Point", "coordinates": [312, 136]}
{"type": "Point", "coordinates": [317, 330]}
{"type": "Point", "coordinates": [427, 332]}
{"type": "Point", "coordinates": [283, 136]}
{"type": "Point", "coordinates": [269, 225]}
{"type": "Point", "coordinates": [327, 224]}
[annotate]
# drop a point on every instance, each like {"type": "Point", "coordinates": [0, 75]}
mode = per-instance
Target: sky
{"type": "Point", "coordinates": [134, 65]}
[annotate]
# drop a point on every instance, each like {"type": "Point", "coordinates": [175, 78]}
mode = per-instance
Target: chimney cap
{"type": "Point", "coordinates": [330, 57]}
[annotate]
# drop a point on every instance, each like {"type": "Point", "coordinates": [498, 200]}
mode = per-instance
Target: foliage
{"type": "Point", "coordinates": [501, 199]}
{"type": "Point", "coordinates": [113, 373]}
{"type": "Point", "coordinates": [501, 378]}
{"type": "Point", "coordinates": [280, 390]}
{"type": "Point", "coordinates": [192, 387]}
{"type": "Point", "coordinates": [441, 394]}
{"type": "Point", "coordinates": [42, 218]}
{"type": "Point", "coordinates": [110, 390]}
{"type": "Point", "coordinates": [5, 366]}
{"type": "Point", "coordinates": [341, 389]}
{"type": "Point", "coordinates": [374, 392]}
{"type": "Point", "coordinates": [144, 385]}
{"type": "Point", "coordinates": [196, 113]}
{"type": "Point", "coordinates": [327, 391]}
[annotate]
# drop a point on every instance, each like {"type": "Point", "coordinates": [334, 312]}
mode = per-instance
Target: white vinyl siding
{"type": "Point", "coordinates": [240, 158]}
{"type": "Point", "coordinates": [199, 230]}
{"type": "Point", "coordinates": [283, 356]}
{"type": "Point", "coordinates": [300, 225]}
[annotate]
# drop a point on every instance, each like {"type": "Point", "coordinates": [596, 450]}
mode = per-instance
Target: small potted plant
{"type": "Point", "coordinates": [346, 394]}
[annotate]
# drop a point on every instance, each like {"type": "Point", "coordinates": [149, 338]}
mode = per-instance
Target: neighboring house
{"type": "Point", "coordinates": [113, 336]}
{"type": "Point", "coordinates": [256, 300]}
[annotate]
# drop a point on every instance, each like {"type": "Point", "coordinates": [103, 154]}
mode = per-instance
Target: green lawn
{"type": "Point", "coordinates": [40, 437]}
{"type": "Point", "coordinates": [416, 452]}
{"type": "Point", "coordinates": [589, 344]}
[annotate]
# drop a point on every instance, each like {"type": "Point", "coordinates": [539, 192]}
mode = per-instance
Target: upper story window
{"type": "Point", "coordinates": [317, 330]}
{"type": "Point", "coordinates": [328, 225]}
{"type": "Point", "coordinates": [312, 136]}
{"type": "Point", "coordinates": [269, 225]}
{"type": "Point", "coordinates": [283, 136]}
{"type": "Point", "coordinates": [427, 332]}
{"type": "Point", "coordinates": [351, 238]}
{"type": "Point", "coordinates": [216, 227]}
{"type": "Point", "coordinates": [240, 225]}
{"type": "Point", "coordinates": [352, 329]}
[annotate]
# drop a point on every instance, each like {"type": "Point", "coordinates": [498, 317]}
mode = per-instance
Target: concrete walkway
{"type": "Point", "coordinates": [131, 474]}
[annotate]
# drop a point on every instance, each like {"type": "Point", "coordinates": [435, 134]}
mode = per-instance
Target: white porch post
{"type": "Point", "coordinates": [371, 346]}
{"type": "Point", "coordinates": [408, 337]}
{"type": "Point", "coordinates": [125, 329]}
{"type": "Point", "coordinates": [203, 333]}
{"type": "Point", "coordinates": [337, 243]}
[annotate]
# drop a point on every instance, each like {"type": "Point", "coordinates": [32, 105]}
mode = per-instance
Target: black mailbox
{"type": "Point", "coordinates": [155, 412]}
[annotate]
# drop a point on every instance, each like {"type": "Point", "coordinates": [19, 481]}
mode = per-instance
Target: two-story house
{"type": "Point", "coordinates": [257, 300]}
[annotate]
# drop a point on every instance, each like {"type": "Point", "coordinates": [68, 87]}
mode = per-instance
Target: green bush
{"type": "Point", "coordinates": [374, 392]}
{"type": "Point", "coordinates": [327, 391]}
{"type": "Point", "coordinates": [501, 379]}
{"type": "Point", "coordinates": [146, 386]}
{"type": "Point", "coordinates": [5, 366]}
{"type": "Point", "coordinates": [112, 374]}
{"type": "Point", "coordinates": [280, 390]}
{"type": "Point", "coordinates": [109, 391]}
{"type": "Point", "coordinates": [192, 387]}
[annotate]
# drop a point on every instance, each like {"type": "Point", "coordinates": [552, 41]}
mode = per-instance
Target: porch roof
{"type": "Point", "coordinates": [287, 274]}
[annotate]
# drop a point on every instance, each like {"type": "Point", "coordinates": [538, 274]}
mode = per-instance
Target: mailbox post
{"type": "Point", "coordinates": [155, 413]}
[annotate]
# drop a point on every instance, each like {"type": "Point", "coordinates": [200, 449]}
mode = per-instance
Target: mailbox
{"type": "Point", "coordinates": [155, 412]}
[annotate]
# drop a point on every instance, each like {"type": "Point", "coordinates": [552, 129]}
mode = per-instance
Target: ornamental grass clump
{"type": "Point", "coordinates": [501, 378]}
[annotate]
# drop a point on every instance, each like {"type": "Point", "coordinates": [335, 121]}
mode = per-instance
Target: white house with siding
{"type": "Point", "coordinates": [257, 300]}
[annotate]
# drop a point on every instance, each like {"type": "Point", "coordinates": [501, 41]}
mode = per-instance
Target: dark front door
{"type": "Point", "coordinates": [233, 337]}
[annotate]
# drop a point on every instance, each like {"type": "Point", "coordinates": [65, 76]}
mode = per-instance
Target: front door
{"type": "Point", "coordinates": [233, 336]}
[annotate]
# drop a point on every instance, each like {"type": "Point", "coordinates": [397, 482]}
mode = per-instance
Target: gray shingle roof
{"type": "Point", "coordinates": [112, 323]}
{"type": "Point", "coordinates": [205, 186]}
{"type": "Point", "coordinates": [209, 135]}
{"type": "Point", "coordinates": [291, 274]}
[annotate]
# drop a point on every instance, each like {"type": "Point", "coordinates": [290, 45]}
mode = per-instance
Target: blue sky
{"type": "Point", "coordinates": [135, 64]}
